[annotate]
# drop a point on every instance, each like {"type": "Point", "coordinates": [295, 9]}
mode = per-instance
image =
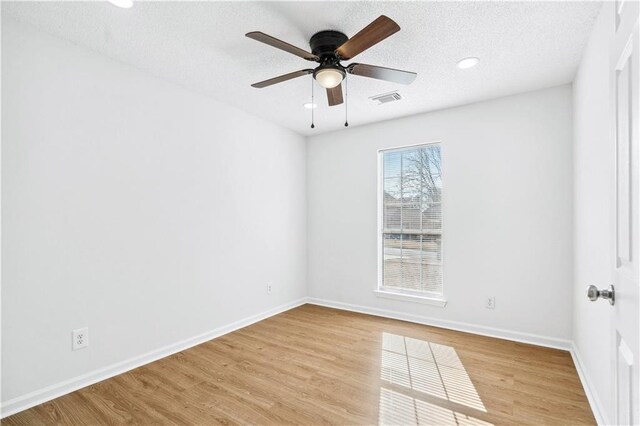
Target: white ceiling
{"type": "Point", "coordinates": [201, 46]}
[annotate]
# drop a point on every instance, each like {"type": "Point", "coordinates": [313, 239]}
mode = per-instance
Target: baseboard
{"type": "Point", "coordinates": [550, 342]}
{"type": "Point", "coordinates": [594, 401]}
{"type": "Point", "coordinates": [32, 399]}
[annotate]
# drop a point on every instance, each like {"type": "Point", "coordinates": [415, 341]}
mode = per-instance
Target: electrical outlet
{"type": "Point", "coordinates": [490, 302]}
{"type": "Point", "coordinates": [269, 288]}
{"type": "Point", "coordinates": [80, 338]}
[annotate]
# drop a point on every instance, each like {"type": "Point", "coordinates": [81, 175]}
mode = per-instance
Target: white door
{"type": "Point", "coordinates": [625, 82]}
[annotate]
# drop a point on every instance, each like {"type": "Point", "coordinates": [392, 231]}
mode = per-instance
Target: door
{"type": "Point", "coordinates": [625, 82]}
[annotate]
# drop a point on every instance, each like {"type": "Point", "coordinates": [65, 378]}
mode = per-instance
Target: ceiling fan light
{"type": "Point", "coordinates": [329, 77]}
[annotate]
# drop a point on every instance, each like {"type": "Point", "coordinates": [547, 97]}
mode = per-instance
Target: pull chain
{"type": "Point", "coordinates": [312, 104]}
{"type": "Point", "coordinates": [346, 100]}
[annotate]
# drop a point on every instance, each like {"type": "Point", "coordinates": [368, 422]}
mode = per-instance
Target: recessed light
{"type": "Point", "coordinates": [468, 63]}
{"type": "Point", "coordinates": [125, 4]}
{"type": "Point", "coordinates": [309, 105]}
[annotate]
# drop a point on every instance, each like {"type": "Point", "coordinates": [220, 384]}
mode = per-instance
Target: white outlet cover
{"type": "Point", "coordinates": [80, 338]}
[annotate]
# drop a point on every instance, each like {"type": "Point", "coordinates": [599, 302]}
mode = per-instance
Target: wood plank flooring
{"type": "Point", "coordinates": [314, 365]}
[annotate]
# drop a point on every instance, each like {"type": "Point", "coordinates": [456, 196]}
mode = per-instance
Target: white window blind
{"type": "Point", "coordinates": [412, 220]}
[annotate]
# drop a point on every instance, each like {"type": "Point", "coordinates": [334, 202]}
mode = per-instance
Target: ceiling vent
{"type": "Point", "coordinates": [385, 98]}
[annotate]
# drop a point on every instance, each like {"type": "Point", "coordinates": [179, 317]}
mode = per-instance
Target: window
{"type": "Point", "coordinates": [411, 221]}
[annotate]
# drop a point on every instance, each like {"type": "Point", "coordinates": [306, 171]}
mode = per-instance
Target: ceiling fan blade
{"type": "Point", "coordinates": [382, 73]}
{"type": "Point", "coordinates": [281, 78]}
{"type": "Point", "coordinates": [335, 95]}
{"type": "Point", "coordinates": [279, 44]}
{"type": "Point", "coordinates": [372, 34]}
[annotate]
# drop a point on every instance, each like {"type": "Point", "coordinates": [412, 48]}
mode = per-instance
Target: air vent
{"type": "Point", "coordinates": [385, 98]}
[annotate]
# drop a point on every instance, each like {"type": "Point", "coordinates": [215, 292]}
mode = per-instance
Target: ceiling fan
{"type": "Point", "coordinates": [328, 48]}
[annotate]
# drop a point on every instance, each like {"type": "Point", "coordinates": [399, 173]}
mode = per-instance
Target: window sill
{"type": "Point", "coordinates": [435, 301]}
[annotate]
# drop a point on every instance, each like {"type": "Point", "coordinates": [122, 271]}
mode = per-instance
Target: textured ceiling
{"type": "Point", "coordinates": [201, 46]}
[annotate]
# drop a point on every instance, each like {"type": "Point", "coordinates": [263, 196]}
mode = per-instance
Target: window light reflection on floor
{"type": "Point", "coordinates": [399, 409]}
{"type": "Point", "coordinates": [429, 368]}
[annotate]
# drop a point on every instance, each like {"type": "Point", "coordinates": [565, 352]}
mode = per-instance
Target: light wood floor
{"type": "Point", "coordinates": [314, 365]}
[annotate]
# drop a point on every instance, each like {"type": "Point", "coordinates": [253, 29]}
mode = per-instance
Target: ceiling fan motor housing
{"type": "Point", "coordinates": [324, 45]}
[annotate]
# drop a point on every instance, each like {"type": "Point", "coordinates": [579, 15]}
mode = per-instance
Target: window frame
{"type": "Point", "coordinates": [430, 298]}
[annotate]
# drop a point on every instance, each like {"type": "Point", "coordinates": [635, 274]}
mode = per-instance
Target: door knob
{"type": "Point", "coordinates": [594, 294]}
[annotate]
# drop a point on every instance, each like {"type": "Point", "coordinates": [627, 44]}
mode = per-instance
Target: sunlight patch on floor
{"type": "Point", "coordinates": [426, 367]}
{"type": "Point", "coordinates": [399, 409]}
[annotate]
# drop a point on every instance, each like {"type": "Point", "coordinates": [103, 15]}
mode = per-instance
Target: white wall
{"type": "Point", "coordinates": [507, 205]}
{"type": "Point", "coordinates": [594, 162]}
{"type": "Point", "coordinates": [146, 212]}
